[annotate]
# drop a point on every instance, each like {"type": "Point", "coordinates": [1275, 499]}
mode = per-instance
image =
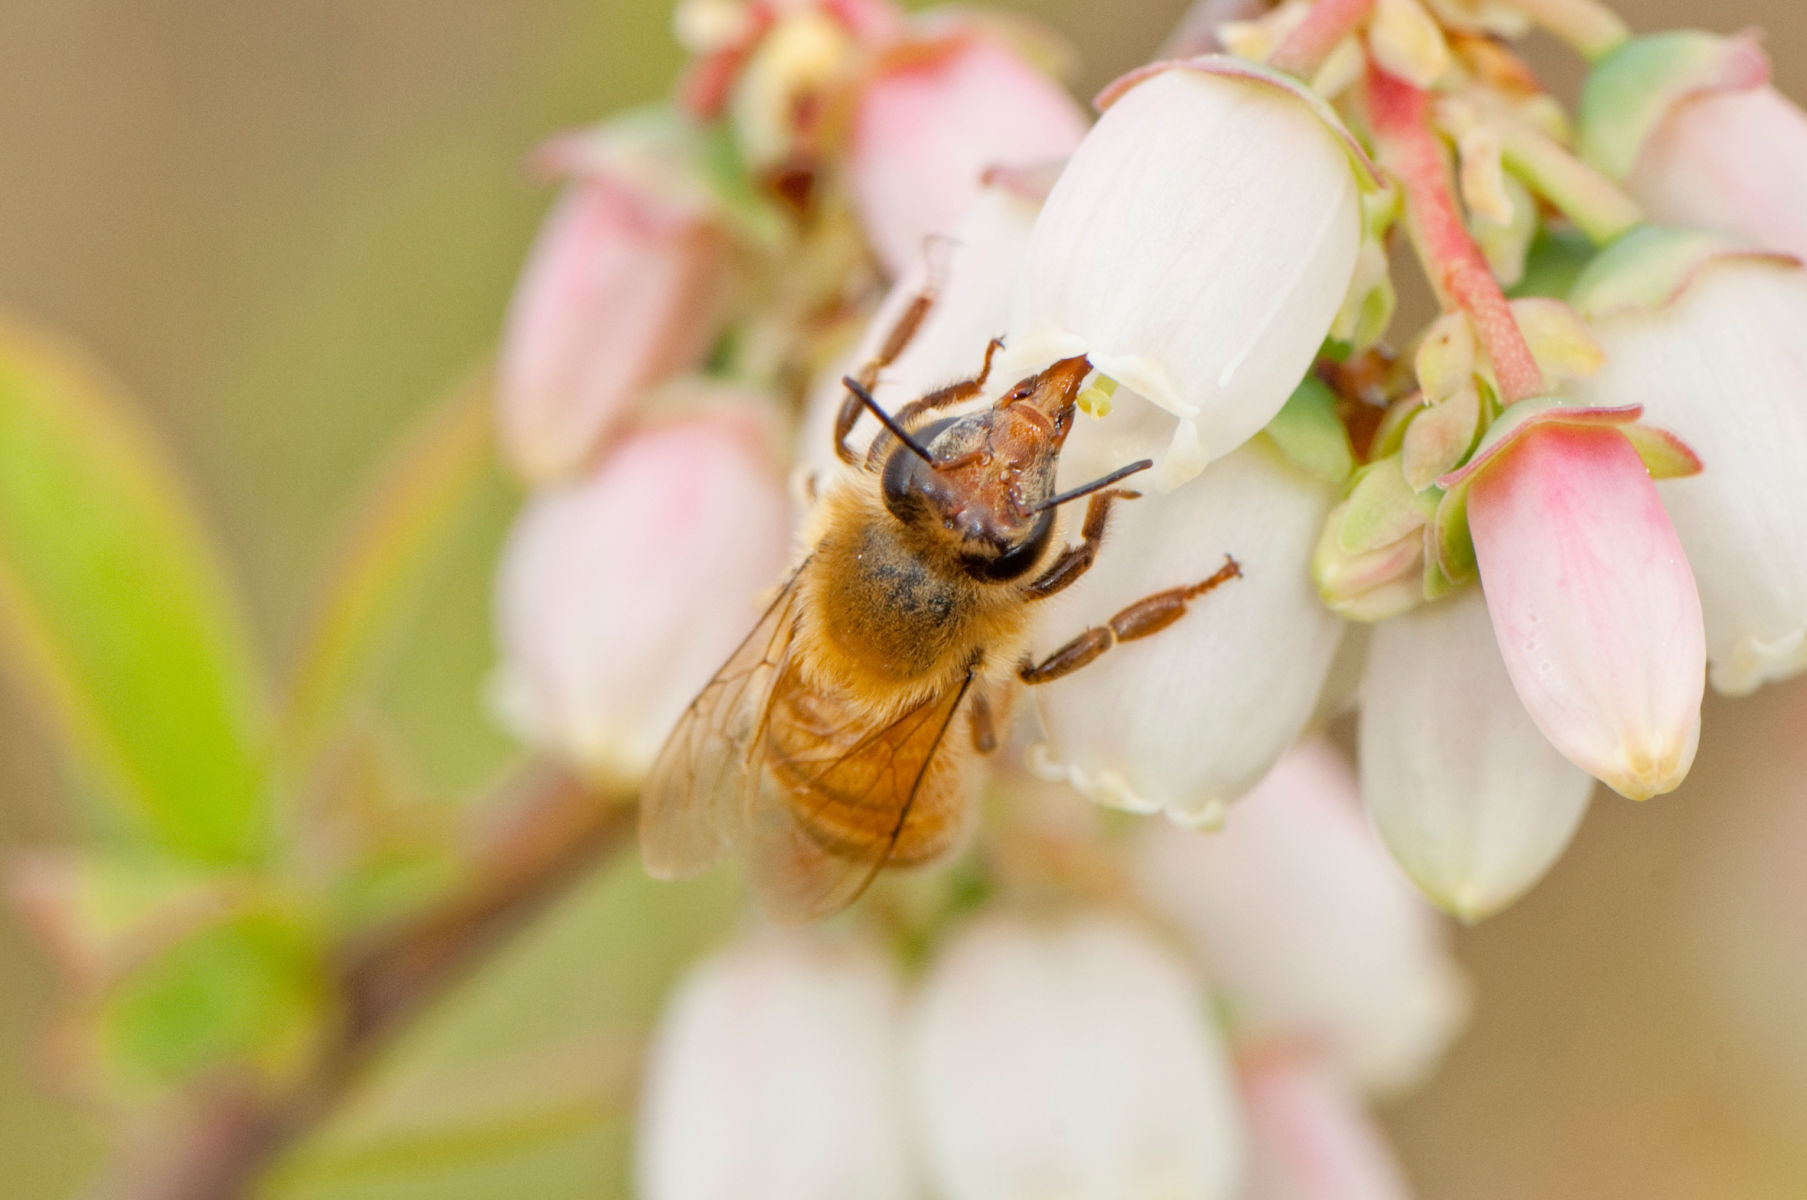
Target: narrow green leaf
{"type": "Point", "coordinates": [115, 613]}
{"type": "Point", "coordinates": [387, 561]}
{"type": "Point", "coordinates": [249, 988]}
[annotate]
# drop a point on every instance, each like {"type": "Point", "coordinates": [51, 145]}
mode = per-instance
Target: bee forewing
{"type": "Point", "coordinates": [691, 803]}
{"type": "Point", "coordinates": [833, 806]}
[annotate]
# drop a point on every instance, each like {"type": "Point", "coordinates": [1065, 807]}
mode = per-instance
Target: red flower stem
{"type": "Point", "coordinates": [1307, 46]}
{"type": "Point", "coordinates": [1414, 155]}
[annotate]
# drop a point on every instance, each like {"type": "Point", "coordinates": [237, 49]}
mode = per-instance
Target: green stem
{"type": "Point", "coordinates": [1593, 202]}
{"type": "Point", "coordinates": [1591, 28]}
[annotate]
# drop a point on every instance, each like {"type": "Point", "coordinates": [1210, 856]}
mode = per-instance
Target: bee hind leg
{"type": "Point", "coordinates": [1144, 618]}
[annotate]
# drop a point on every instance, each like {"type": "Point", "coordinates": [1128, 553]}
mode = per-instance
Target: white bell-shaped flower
{"type": "Point", "coordinates": [774, 1077]}
{"type": "Point", "coordinates": [1720, 360]}
{"type": "Point", "coordinates": [1196, 248]}
{"type": "Point", "coordinates": [1074, 1061]}
{"type": "Point", "coordinates": [1471, 798]}
{"type": "Point", "coordinates": [621, 592]}
{"type": "Point", "coordinates": [1188, 719]}
{"type": "Point", "coordinates": [1305, 928]}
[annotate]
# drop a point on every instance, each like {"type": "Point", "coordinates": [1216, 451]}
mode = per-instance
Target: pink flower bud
{"type": "Point", "coordinates": [622, 592]}
{"type": "Point", "coordinates": [930, 123]}
{"type": "Point", "coordinates": [773, 1077]}
{"type": "Point", "coordinates": [1310, 1134]}
{"type": "Point", "coordinates": [620, 291]}
{"type": "Point", "coordinates": [1070, 1061]}
{"type": "Point", "coordinates": [1593, 602]}
{"type": "Point", "coordinates": [1197, 248]}
{"type": "Point", "coordinates": [1306, 929]}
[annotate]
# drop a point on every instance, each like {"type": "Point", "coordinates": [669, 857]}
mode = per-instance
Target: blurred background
{"type": "Point", "coordinates": [289, 226]}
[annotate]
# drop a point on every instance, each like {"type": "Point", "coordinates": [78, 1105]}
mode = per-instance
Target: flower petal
{"type": "Point", "coordinates": [1593, 603]}
{"type": "Point", "coordinates": [617, 295]}
{"type": "Point", "coordinates": [931, 123]}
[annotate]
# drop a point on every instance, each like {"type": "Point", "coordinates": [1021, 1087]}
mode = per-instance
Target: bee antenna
{"type": "Point", "coordinates": [1086, 489]}
{"type": "Point", "coordinates": [887, 420]}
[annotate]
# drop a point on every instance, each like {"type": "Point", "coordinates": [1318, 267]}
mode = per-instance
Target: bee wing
{"type": "Point", "coordinates": [819, 827]}
{"type": "Point", "coordinates": [691, 802]}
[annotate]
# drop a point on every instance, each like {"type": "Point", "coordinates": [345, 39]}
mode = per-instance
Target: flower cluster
{"type": "Point", "coordinates": [1517, 540]}
{"type": "Point", "coordinates": [1073, 1052]}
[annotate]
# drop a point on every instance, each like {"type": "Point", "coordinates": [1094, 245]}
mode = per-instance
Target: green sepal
{"type": "Point", "coordinates": [1311, 436]}
{"type": "Point", "coordinates": [1631, 89]}
{"type": "Point", "coordinates": [1440, 437]}
{"type": "Point", "coordinates": [1664, 454]}
{"type": "Point", "coordinates": [1557, 257]}
{"type": "Point", "coordinates": [1650, 268]}
{"type": "Point", "coordinates": [1383, 508]}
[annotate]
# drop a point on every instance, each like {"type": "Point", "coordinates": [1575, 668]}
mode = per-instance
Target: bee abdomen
{"type": "Point", "coordinates": [860, 792]}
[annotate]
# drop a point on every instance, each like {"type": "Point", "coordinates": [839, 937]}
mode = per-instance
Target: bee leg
{"type": "Point", "coordinates": [940, 398]}
{"type": "Point", "coordinates": [985, 733]}
{"type": "Point", "coordinates": [1145, 617]}
{"type": "Point", "coordinates": [1074, 561]}
{"type": "Point", "coordinates": [867, 376]}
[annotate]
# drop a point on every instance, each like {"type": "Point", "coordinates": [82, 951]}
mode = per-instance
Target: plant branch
{"type": "Point", "coordinates": [218, 1139]}
{"type": "Point", "coordinates": [1413, 154]}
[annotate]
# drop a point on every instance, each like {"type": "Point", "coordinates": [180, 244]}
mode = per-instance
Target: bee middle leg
{"type": "Point", "coordinates": [1145, 617]}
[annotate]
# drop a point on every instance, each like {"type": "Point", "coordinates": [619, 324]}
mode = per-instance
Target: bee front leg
{"type": "Point", "coordinates": [896, 342]}
{"type": "Point", "coordinates": [1144, 618]}
{"type": "Point", "coordinates": [1074, 561]}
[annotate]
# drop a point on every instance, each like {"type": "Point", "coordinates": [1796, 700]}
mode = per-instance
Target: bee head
{"type": "Point", "coordinates": [980, 485]}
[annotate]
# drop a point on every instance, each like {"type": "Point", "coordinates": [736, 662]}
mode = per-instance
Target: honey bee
{"type": "Point", "coordinates": [830, 744]}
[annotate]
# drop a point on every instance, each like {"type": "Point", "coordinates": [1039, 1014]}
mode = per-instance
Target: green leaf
{"type": "Point", "coordinates": [249, 988]}
{"type": "Point", "coordinates": [389, 558]}
{"type": "Point", "coordinates": [115, 613]}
